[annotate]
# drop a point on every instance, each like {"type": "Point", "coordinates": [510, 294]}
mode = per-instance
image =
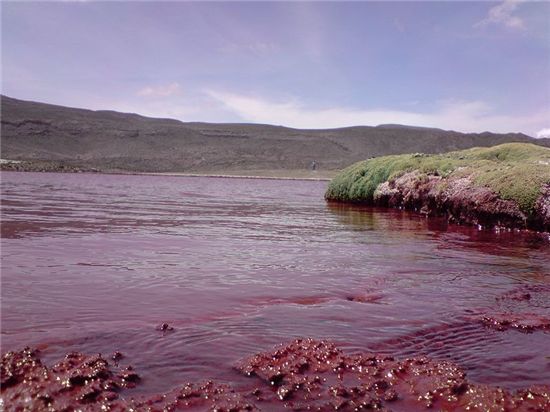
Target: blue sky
{"type": "Point", "coordinates": [468, 66]}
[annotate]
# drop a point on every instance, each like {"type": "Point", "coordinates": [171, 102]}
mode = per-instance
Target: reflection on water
{"type": "Point", "coordinates": [95, 263]}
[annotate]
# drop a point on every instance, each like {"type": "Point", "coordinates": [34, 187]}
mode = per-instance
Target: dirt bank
{"type": "Point", "coordinates": [506, 186]}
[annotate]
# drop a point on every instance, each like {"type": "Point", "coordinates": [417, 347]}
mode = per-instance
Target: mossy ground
{"type": "Point", "coordinates": [516, 171]}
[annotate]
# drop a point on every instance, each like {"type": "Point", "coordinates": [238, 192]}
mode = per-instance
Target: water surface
{"type": "Point", "coordinates": [95, 263]}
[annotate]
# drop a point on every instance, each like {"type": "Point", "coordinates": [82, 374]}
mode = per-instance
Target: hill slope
{"type": "Point", "coordinates": [109, 140]}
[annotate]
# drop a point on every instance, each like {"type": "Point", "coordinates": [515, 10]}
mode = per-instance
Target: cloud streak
{"type": "Point", "coordinates": [502, 14]}
{"type": "Point", "coordinates": [160, 91]}
{"type": "Point", "coordinates": [256, 48]}
{"type": "Point", "coordinates": [464, 116]}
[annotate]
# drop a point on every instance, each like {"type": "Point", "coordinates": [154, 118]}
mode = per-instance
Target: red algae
{"type": "Point", "coordinates": [88, 383]}
{"type": "Point", "coordinates": [524, 322]}
{"type": "Point", "coordinates": [296, 300]}
{"type": "Point", "coordinates": [82, 381]}
{"type": "Point", "coordinates": [516, 310]}
{"type": "Point", "coordinates": [316, 375]}
{"type": "Point", "coordinates": [305, 374]}
{"type": "Point", "coordinates": [526, 293]}
{"type": "Point", "coordinates": [366, 298]}
{"type": "Point", "coordinates": [317, 300]}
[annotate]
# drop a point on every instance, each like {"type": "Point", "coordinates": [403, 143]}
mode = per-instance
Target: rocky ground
{"type": "Point", "coordinates": [43, 166]}
{"type": "Point", "coordinates": [70, 167]}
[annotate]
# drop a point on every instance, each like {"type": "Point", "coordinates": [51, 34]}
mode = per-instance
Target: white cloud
{"type": "Point", "coordinates": [163, 110]}
{"type": "Point", "coordinates": [503, 14]}
{"type": "Point", "coordinates": [465, 116]}
{"type": "Point", "coordinates": [160, 91]}
{"type": "Point", "coordinates": [543, 133]}
{"type": "Point", "coordinates": [192, 108]}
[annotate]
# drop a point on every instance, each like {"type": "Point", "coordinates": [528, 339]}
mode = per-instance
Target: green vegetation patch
{"type": "Point", "coordinates": [516, 171]}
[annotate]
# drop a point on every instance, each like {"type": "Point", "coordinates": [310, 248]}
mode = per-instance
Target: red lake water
{"type": "Point", "coordinates": [96, 263]}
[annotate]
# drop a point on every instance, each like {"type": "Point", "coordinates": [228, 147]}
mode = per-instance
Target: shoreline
{"type": "Point", "coordinates": [229, 176]}
{"type": "Point", "coordinates": [176, 174]}
{"type": "Point", "coordinates": [386, 203]}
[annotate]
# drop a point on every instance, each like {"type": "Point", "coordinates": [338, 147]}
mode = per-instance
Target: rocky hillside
{"type": "Point", "coordinates": [107, 140]}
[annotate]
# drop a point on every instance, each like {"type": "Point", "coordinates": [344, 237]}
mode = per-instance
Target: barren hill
{"type": "Point", "coordinates": [109, 140]}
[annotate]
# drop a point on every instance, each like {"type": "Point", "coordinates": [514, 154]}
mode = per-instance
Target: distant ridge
{"type": "Point", "coordinates": [109, 140]}
{"type": "Point", "coordinates": [401, 126]}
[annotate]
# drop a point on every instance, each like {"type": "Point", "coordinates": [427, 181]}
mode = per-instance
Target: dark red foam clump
{"type": "Point", "coordinates": [78, 380]}
{"type": "Point", "coordinates": [524, 322]}
{"type": "Point", "coordinates": [366, 298]}
{"type": "Point", "coordinates": [88, 383]}
{"type": "Point", "coordinates": [303, 375]}
{"type": "Point", "coordinates": [198, 396]}
{"type": "Point", "coordinates": [315, 375]}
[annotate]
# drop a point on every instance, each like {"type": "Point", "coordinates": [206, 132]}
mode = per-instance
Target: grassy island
{"type": "Point", "coordinates": [505, 185]}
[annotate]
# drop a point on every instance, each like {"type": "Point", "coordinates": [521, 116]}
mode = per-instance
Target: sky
{"type": "Point", "coordinates": [466, 66]}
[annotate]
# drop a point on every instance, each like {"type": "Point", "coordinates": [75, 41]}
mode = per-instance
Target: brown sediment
{"type": "Point", "coordinates": [302, 375]}
{"type": "Point", "coordinates": [460, 200]}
